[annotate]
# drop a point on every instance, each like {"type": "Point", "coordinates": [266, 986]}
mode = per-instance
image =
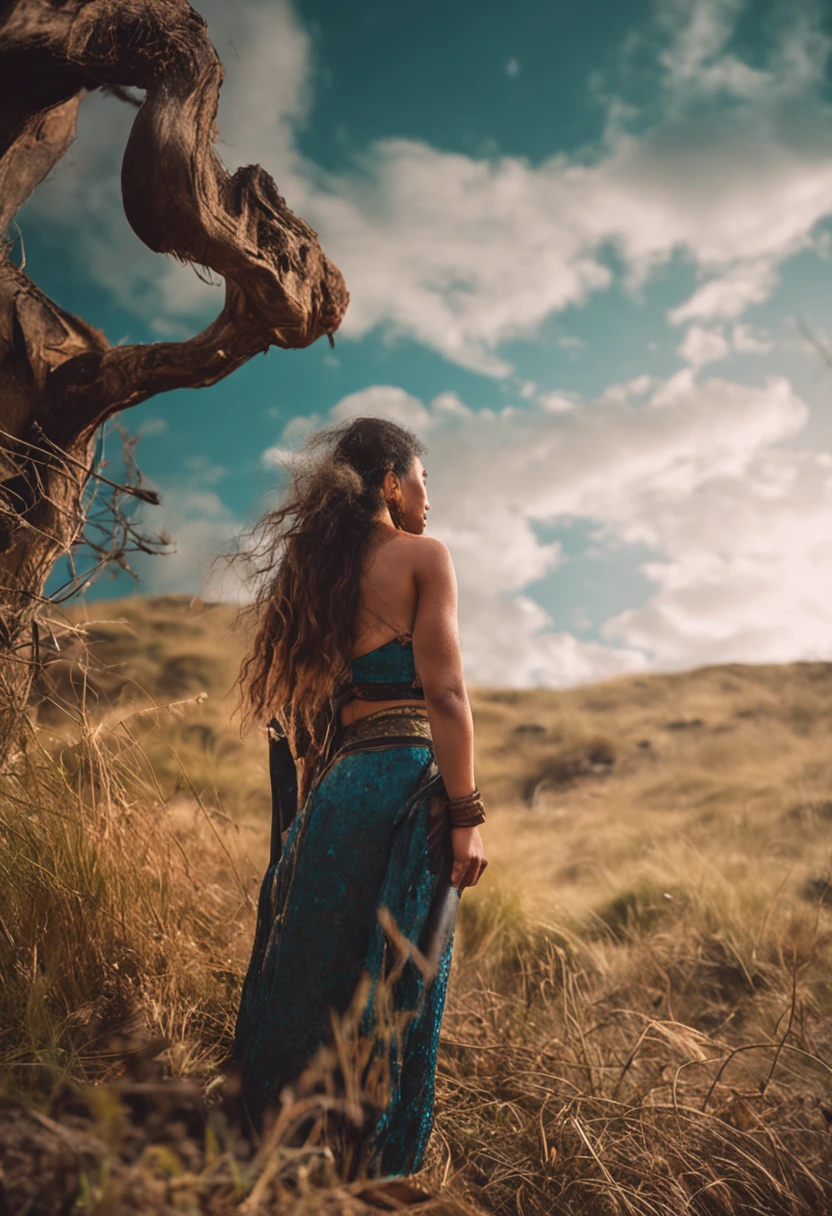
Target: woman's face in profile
{"type": "Point", "coordinates": [415, 498]}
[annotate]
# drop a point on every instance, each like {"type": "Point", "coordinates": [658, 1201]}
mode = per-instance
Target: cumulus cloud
{"type": "Point", "coordinates": [696, 61]}
{"type": "Point", "coordinates": [692, 470]}
{"type": "Point", "coordinates": [748, 572]}
{"type": "Point", "coordinates": [748, 341]}
{"type": "Point", "coordinates": [464, 254]}
{"type": "Point", "coordinates": [691, 42]}
{"type": "Point", "coordinates": [728, 295]}
{"type": "Point", "coordinates": [557, 403]}
{"type": "Point", "coordinates": [199, 525]}
{"type": "Point", "coordinates": [702, 345]}
{"type": "Point", "coordinates": [151, 427]}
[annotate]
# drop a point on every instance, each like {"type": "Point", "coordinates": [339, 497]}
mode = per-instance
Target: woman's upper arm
{"type": "Point", "coordinates": [436, 649]}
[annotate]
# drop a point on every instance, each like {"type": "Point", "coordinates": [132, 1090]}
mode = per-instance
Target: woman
{"type": "Point", "coordinates": [357, 656]}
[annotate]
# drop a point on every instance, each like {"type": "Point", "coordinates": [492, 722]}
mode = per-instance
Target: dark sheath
{"type": "Point", "coordinates": [284, 783]}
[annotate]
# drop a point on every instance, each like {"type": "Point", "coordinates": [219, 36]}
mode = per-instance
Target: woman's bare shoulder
{"type": "Point", "coordinates": [426, 551]}
{"type": "Point", "coordinates": [423, 556]}
{"type": "Point", "coordinates": [431, 562]}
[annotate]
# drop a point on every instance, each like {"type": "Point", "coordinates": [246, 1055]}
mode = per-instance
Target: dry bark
{"type": "Point", "coordinates": [60, 379]}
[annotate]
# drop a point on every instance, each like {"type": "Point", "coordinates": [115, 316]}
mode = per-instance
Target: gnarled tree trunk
{"type": "Point", "coordinates": [59, 377]}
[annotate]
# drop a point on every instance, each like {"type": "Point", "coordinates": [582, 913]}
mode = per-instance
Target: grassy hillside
{"type": "Point", "coordinates": [718, 779]}
{"type": "Point", "coordinates": [639, 1012]}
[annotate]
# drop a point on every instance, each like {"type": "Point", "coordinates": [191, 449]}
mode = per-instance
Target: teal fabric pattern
{"type": "Point", "coordinates": [364, 838]}
{"type": "Point", "coordinates": [391, 662]}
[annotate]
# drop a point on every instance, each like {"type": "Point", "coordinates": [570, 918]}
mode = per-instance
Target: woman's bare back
{"type": "Point", "coordinates": [387, 605]}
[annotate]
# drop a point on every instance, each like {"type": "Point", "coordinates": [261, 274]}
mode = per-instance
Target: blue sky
{"type": "Point", "coordinates": [582, 244]}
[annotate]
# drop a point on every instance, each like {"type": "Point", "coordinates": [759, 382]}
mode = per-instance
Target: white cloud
{"type": "Point", "coordinates": [697, 63]}
{"type": "Point", "coordinates": [729, 295]}
{"type": "Point", "coordinates": [464, 254]}
{"type": "Point", "coordinates": [513, 68]}
{"type": "Point", "coordinates": [199, 525]}
{"type": "Point", "coordinates": [557, 403]}
{"type": "Point", "coordinates": [695, 473]}
{"type": "Point", "coordinates": [151, 427]}
{"type": "Point", "coordinates": [748, 576]}
{"type": "Point", "coordinates": [383, 400]}
{"type": "Point", "coordinates": [702, 346]}
{"type": "Point", "coordinates": [627, 390]}
{"type": "Point", "coordinates": [749, 342]}
{"type": "Point", "coordinates": [278, 456]}
{"type": "Point", "coordinates": [458, 253]}
{"type": "Point", "coordinates": [204, 470]}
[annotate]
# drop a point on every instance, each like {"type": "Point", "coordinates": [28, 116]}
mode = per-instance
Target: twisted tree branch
{"type": "Point", "coordinates": [59, 377]}
{"type": "Point", "coordinates": [281, 290]}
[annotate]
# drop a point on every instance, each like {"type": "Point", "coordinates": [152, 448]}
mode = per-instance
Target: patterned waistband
{"type": "Point", "coordinates": [401, 721]}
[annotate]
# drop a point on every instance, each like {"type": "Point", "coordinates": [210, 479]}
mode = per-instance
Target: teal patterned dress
{"type": "Point", "coordinates": [371, 833]}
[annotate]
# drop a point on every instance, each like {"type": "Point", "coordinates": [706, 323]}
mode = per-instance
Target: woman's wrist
{"type": "Point", "coordinates": [466, 811]}
{"type": "Point", "coordinates": [459, 789]}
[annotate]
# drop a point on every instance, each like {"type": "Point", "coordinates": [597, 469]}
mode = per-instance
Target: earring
{"type": "Point", "coordinates": [394, 506]}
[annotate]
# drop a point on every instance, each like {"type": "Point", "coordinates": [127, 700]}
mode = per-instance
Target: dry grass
{"type": "Point", "coordinates": [657, 1067]}
{"type": "Point", "coordinates": [121, 905]}
{"type": "Point", "coordinates": [639, 1012]}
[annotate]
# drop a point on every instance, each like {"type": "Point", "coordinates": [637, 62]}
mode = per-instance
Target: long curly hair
{"type": "Point", "coordinates": [305, 563]}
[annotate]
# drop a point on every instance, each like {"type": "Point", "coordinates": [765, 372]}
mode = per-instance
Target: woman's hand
{"type": "Point", "coordinates": [469, 857]}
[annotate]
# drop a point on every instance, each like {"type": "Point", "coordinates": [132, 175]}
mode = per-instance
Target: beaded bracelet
{"type": "Point", "coordinates": [466, 812]}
